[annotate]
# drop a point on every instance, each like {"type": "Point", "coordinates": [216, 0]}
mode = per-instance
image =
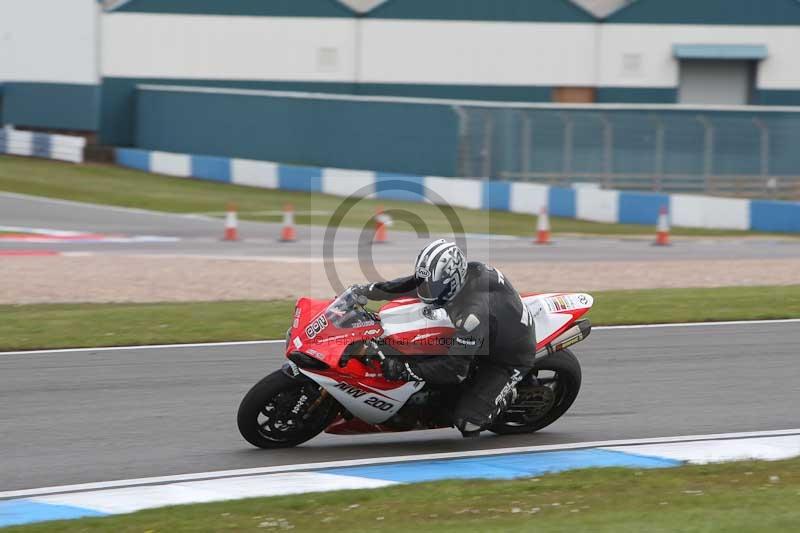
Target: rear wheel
{"type": "Point", "coordinates": [543, 400]}
{"type": "Point", "coordinates": [281, 412]}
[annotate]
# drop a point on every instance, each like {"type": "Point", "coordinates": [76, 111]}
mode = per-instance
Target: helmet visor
{"type": "Point", "coordinates": [431, 291]}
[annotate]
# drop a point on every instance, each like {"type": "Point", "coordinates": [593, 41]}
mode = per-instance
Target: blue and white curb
{"type": "Point", "coordinates": [27, 143]}
{"type": "Point", "coordinates": [581, 202]}
{"type": "Point", "coordinates": [125, 496]}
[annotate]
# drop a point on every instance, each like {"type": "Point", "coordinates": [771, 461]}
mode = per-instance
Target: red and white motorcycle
{"type": "Point", "coordinates": [332, 380]}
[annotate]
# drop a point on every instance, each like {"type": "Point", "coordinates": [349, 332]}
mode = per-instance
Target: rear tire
{"type": "Point", "coordinates": [267, 417]}
{"type": "Point", "coordinates": [567, 370]}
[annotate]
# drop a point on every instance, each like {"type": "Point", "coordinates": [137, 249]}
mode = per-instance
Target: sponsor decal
{"type": "Point", "coordinates": [372, 332]}
{"type": "Point", "coordinates": [314, 329]}
{"type": "Point", "coordinates": [423, 273]}
{"type": "Point", "coordinates": [312, 352]}
{"type": "Point", "coordinates": [583, 300]}
{"type": "Point", "coordinates": [363, 324]}
{"type": "Point", "coordinates": [297, 313]}
{"type": "Point", "coordinates": [300, 403]}
{"type": "Point", "coordinates": [297, 343]}
{"type": "Point", "coordinates": [466, 342]}
{"type": "Point", "coordinates": [516, 377]}
{"type": "Point", "coordinates": [352, 390]}
{"type": "Point", "coordinates": [372, 401]}
{"type": "Point", "coordinates": [559, 303]}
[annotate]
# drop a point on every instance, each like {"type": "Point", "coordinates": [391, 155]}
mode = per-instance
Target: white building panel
{"type": "Point", "coordinates": [49, 41]}
{"type": "Point", "coordinates": [486, 53]}
{"type": "Point", "coordinates": [528, 198]}
{"type": "Point", "coordinates": [171, 164]}
{"type": "Point", "coordinates": [228, 48]}
{"type": "Point", "coordinates": [343, 182]}
{"type": "Point", "coordinates": [597, 205]}
{"type": "Point", "coordinates": [263, 174]}
{"type": "Point", "coordinates": [641, 55]}
{"type": "Point", "coordinates": [706, 212]}
{"type": "Point", "coordinates": [456, 192]}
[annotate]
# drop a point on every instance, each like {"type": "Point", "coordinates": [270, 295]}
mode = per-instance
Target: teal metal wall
{"type": "Point", "coordinates": [422, 139]}
{"type": "Point", "coordinates": [118, 96]}
{"type": "Point", "coordinates": [51, 105]}
{"type": "Point", "coordinates": [258, 8]}
{"type": "Point", "coordinates": [489, 10]}
{"type": "Point", "coordinates": [733, 12]}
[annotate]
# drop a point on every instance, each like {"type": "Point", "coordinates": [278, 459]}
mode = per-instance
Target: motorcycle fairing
{"type": "Point", "coordinates": [373, 400]}
{"type": "Point", "coordinates": [316, 333]}
{"type": "Point", "coordinates": [406, 323]}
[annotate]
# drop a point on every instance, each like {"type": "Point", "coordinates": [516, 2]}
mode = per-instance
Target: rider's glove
{"type": "Point", "coordinates": [397, 369]}
{"type": "Point", "coordinates": [362, 290]}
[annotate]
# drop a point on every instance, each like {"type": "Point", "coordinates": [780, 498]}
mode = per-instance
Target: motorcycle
{"type": "Point", "coordinates": [332, 379]}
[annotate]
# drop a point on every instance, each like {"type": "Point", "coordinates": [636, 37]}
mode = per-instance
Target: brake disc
{"type": "Point", "coordinates": [533, 401]}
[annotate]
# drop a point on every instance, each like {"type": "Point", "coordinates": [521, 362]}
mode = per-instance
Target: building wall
{"type": "Point", "coordinates": [484, 50]}
{"type": "Point", "coordinates": [48, 63]}
{"type": "Point", "coordinates": [144, 45]}
{"type": "Point", "coordinates": [477, 53]}
{"type": "Point", "coordinates": [652, 44]}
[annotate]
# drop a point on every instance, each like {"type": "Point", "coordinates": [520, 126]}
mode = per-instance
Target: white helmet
{"type": "Point", "coordinates": [440, 270]}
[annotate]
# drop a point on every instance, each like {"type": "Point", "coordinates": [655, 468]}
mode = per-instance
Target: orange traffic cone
{"type": "Point", "coordinates": [231, 224]}
{"type": "Point", "coordinates": [543, 228]}
{"type": "Point", "coordinates": [662, 229]}
{"type": "Point", "coordinates": [288, 233]}
{"type": "Point", "coordinates": [382, 222]}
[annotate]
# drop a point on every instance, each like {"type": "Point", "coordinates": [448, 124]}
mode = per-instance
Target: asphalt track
{"type": "Point", "coordinates": [84, 416]}
{"type": "Point", "coordinates": [200, 235]}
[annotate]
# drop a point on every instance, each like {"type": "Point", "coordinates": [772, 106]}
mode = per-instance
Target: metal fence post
{"type": "Point", "coordinates": [486, 149]}
{"type": "Point", "coordinates": [658, 157]}
{"type": "Point", "coordinates": [566, 166]}
{"type": "Point", "coordinates": [708, 159]}
{"type": "Point", "coordinates": [769, 185]}
{"type": "Point", "coordinates": [463, 162]}
{"type": "Point", "coordinates": [525, 148]}
{"type": "Point", "coordinates": [608, 151]}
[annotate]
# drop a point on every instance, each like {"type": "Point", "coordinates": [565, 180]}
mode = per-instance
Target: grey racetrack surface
{"type": "Point", "coordinates": [201, 236]}
{"type": "Point", "coordinates": [96, 416]}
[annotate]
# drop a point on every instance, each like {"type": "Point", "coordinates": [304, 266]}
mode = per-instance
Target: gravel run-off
{"type": "Point", "coordinates": [142, 278]}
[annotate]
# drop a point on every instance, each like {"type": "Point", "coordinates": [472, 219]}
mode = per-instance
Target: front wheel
{"type": "Point", "coordinates": [281, 412]}
{"type": "Point", "coordinates": [542, 401]}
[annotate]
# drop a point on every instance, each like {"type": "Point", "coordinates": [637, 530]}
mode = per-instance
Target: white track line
{"type": "Point", "coordinates": [58, 201]}
{"type": "Point", "coordinates": [700, 324]}
{"type": "Point", "coordinates": [270, 341]}
{"type": "Point", "coordinates": [384, 460]}
{"type": "Point", "coordinates": [144, 347]}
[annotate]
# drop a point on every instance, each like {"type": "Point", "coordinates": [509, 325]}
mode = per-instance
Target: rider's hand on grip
{"type": "Point", "coordinates": [394, 369]}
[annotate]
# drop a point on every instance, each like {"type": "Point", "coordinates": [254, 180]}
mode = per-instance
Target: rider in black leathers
{"type": "Point", "coordinates": [494, 330]}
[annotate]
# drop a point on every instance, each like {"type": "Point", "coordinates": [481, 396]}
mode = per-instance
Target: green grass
{"type": "Point", "coordinates": [111, 185]}
{"type": "Point", "coordinates": [41, 326]}
{"type": "Point", "coordinates": [735, 497]}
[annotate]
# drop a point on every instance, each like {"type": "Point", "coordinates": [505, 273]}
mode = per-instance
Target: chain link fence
{"type": "Point", "coordinates": [728, 153]}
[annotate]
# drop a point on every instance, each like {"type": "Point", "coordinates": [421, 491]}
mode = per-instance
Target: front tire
{"type": "Point", "coordinates": [564, 386]}
{"type": "Point", "coordinates": [281, 412]}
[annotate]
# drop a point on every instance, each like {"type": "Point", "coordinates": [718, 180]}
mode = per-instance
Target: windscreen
{"type": "Point", "coordinates": [344, 313]}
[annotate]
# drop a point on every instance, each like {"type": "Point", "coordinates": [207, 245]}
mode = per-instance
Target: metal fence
{"type": "Point", "coordinates": [731, 153]}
